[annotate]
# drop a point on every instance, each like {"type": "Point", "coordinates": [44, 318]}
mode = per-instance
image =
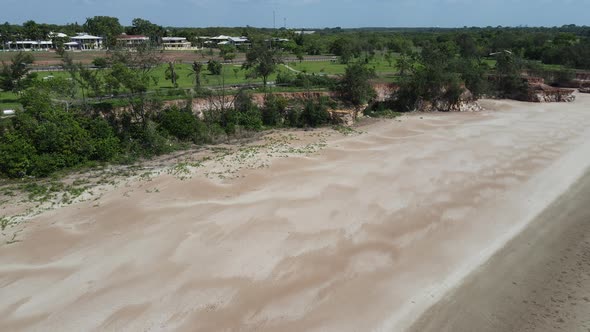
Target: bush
{"type": "Point", "coordinates": [181, 124]}
{"type": "Point", "coordinates": [315, 113]}
{"type": "Point", "coordinates": [293, 118]}
{"type": "Point", "coordinates": [45, 164]}
{"type": "Point", "coordinates": [214, 67]}
{"type": "Point", "coordinates": [247, 114]}
{"type": "Point", "coordinates": [285, 77]}
{"type": "Point", "coordinates": [100, 62]}
{"type": "Point", "coordinates": [274, 110]}
{"type": "Point", "coordinates": [16, 155]}
{"type": "Point", "coordinates": [105, 145]}
{"type": "Point", "coordinates": [153, 142]}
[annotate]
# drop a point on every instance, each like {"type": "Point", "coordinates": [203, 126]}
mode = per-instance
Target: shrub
{"type": "Point", "coordinates": [16, 155]}
{"type": "Point", "coordinates": [285, 77]}
{"type": "Point", "coordinates": [181, 124]}
{"type": "Point", "coordinates": [315, 113]}
{"type": "Point", "coordinates": [274, 110]}
{"type": "Point", "coordinates": [214, 67]}
{"type": "Point", "coordinates": [153, 142]}
{"type": "Point", "coordinates": [293, 118]}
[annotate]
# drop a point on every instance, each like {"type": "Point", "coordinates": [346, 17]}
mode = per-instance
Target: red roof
{"type": "Point", "coordinates": [132, 37]}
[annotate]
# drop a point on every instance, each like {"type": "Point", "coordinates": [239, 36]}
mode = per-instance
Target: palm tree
{"type": "Point", "coordinates": [197, 67]}
{"type": "Point", "coordinates": [170, 74]}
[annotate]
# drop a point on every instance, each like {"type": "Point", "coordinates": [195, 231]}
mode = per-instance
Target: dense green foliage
{"type": "Point", "coordinates": [13, 75]}
{"type": "Point", "coordinates": [262, 60]}
{"type": "Point", "coordinates": [105, 26]}
{"type": "Point", "coordinates": [355, 87]}
{"type": "Point", "coordinates": [114, 114]}
{"type": "Point", "coordinates": [214, 67]}
{"type": "Point", "coordinates": [52, 133]}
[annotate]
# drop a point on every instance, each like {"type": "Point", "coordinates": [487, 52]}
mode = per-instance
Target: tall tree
{"type": "Point", "coordinates": [197, 67]}
{"type": "Point", "coordinates": [147, 28]}
{"type": "Point", "coordinates": [15, 76]}
{"type": "Point", "coordinates": [215, 67]}
{"type": "Point", "coordinates": [355, 87]}
{"type": "Point", "coordinates": [170, 74]}
{"type": "Point", "coordinates": [34, 31]}
{"type": "Point", "coordinates": [262, 61]}
{"type": "Point", "coordinates": [106, 27]}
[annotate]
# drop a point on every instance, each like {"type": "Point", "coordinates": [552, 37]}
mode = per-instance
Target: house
{"type": "Point", "coordinates": [238, 41]}
{"type": "Point", "coordinates": [131, 41]}
{"type": "Point", "coordinates": [30, 45]}
{"type": "Point", "coordinates": [175, 43]}
{"type": "Point", "coordinates": [85, 41]}
{"type": "Point", "coordinates": [303, 32]}
{"type": "Point", "coordinates": [72, 46]}
{"type": "Point", "coordinates": [57, 35]}
{"type": "Point", "coordinates": [220, 39]}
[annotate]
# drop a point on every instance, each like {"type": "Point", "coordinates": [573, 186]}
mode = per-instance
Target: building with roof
{"type": "Point", "coordinates": [175, 43]}
{"type": "Point", "coordinates": [57, 35]}
{"type": "Point", "coordinates": [131, 41]}
{"type": "Point", "coordinates": [303, 32]}
{"type": "Point", "coordinates": [239, 41]}
{"type": "Point", "coordinates": [219, 39]}
{"type": "Point", "coordinates": [30, 45]}
{"type": "Point", "coordinates": [85, 41]}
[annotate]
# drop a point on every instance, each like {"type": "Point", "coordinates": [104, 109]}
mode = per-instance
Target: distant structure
{"type": "Point", "coordinates": [222, 40]}
{"type": "Point", "coordinates": [303, 32]}
{"type": "Point", "coordinates": [84, 41]}
{"type": "Point", "coordinates": [175, 43]}
{"type": "Point", "coordinates": [132, 41]}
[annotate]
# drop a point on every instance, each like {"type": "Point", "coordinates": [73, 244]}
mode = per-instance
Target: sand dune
{"type": "Point", "coordinates": [363, 235]}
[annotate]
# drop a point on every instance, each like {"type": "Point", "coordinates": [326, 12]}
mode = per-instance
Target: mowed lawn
{"type": "Point", "coordinates": [232, 74]}
{"type": "Point", "coordinates": [382, 67]}
{"type": "Point", "coordinates": [8, 100]}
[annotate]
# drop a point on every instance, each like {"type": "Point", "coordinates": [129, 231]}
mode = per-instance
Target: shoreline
{"type": "Point", "coordinates": [540, 280]}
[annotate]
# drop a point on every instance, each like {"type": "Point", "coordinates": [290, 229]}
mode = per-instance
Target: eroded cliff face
{"type": "Point", "coordinates": [199, 105]}
{"type": "Point", "coordinates": [384, 91]}
{"type": "Point", "coordinates": [539, 92]}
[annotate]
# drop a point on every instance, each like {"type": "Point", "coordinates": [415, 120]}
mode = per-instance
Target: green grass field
{"type": "Point", "coordinates": [8, 100]}
{"type": "Point", "coordinates": [381, 66]}
{"type": "Point", "coordinates": [232, 74]}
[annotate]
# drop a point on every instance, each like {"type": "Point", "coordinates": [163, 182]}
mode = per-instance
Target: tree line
{"type": "Point", "coordinates": [60, 127]}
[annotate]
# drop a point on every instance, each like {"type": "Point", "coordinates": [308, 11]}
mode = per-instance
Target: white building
{"type": "Point", "coordinates": [30, 45]}
{"type": "Point", "coordinates": [228, 40]}
{"type": "Point", "coordinates": [85, 42]}
{"type": "Point", "coordinates": [57, 35]}
{"type": "Point", "coordinates": [175, 43]}
{"type": "Point", "coordinates": [238, 41]}
{"type": "Point", "coordinates": [219, 39]}
{"type": "Point", "coordinates": [131, 41]}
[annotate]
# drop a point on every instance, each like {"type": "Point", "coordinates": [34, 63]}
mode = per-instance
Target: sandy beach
{"type": "Point", "coordinates": [540, 281]}
{"type": "Point", "coordinates": [366, 233]}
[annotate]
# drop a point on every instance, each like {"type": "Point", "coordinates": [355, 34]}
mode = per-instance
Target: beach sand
{"type": "Point", "coordinates": [366, 234]}
{"type": "Point", "coordinates": [540, 281]}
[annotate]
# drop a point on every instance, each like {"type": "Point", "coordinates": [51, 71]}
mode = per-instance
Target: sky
{"type": "Point", "coordinates": [306, 13]}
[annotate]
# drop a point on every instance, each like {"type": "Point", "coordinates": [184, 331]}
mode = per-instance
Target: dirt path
{"type": "Point", "coordinates": [539, 282]}
{"type": "Point", "coordinates": [364, 233]}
